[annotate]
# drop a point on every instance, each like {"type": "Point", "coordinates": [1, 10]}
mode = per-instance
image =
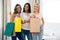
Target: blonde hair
{"type": "Point", "coordinates": [37, 5]}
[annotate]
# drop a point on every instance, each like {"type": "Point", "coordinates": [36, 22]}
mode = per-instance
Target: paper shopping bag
{"type": "Point", "coordinates": [35, 25]}
{"type": "Point", "coordinates": [18, 24]}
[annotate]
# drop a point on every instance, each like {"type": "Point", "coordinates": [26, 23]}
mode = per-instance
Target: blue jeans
{"type": "Point", "coordinates": [18, 35]}
{"type": "Point", "coordinates": [38, 36]}
{"type": "Point", "coordinates": [13, 38]}
{"type": "Point", "coordinates": [26, 33]}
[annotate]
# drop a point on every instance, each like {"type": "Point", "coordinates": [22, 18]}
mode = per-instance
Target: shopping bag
{"type": "Point", "coordinates": [9, 29]}
{"type": "Point", "coordinates": [18, 24]}
{"type": "Point", "coordinates": [35, 25]}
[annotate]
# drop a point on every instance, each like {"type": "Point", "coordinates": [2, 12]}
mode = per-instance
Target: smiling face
{"type": "Point", "coordinates": [26, 8]}
{"type": "Point", "coordinates": [36, 8]}
{"type": "Point", "coordinates": [18, 8]}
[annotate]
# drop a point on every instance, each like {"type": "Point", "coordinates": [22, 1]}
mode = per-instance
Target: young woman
{"type": "Point", "coordinates": [26, 26]}
{"type": "Point", "coordinates": [37, 14]}
{"type": "Point", "coordinates": [16, 13]}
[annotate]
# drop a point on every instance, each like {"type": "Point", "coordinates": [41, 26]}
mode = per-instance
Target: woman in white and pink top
{"type": "Point", "coordinates": [37, 14]}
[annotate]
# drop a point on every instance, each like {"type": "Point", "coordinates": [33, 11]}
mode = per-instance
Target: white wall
{"type": "Point", "coordinates": [51, 14]}
{"type": "Point", "coordinates": [51, 10]}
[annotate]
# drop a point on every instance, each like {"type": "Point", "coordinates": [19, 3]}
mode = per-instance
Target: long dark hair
{"type": "Point", "coordinates": [29, 10]}
{"type": "Point", "coordinates": [15, 9]}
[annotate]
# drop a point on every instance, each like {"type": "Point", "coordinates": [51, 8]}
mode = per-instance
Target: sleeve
{"type": "Point", "coordinates": [22, 16]}
{"type": "Point", "coordinates": [41, 15]}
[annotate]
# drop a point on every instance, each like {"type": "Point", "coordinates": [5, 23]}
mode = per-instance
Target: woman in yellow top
{"type": "Point", "coordinates": [16, 18]}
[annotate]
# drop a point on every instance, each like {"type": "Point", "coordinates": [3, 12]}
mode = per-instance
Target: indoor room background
{"type": "Point", "coordinates": [49, 8]}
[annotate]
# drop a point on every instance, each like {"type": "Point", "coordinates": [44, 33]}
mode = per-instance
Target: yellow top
{"type": "Point", "coordinates": [18, 24]}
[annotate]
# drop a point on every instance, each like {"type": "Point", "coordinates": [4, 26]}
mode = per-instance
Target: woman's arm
{"type": "Point", "coordinates": [31, 16]}
{"type": "Point", "coordinates": [27, 21]}
{"type": "Point", "coordinates": [12, 16]}
{"type": "Point", "coordinates": [42, 21]}
{"type": "Point", "coordinates": [22, 22]}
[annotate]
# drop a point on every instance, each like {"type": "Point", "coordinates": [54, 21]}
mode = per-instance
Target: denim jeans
{"type": "Point", "coordinates": [13, 38]}
{"type": "Point", "coordinates": [18, 35]}
{"type": "Point", "coordinates": [26, 33]}
{"type": "Point", "coordinates": [38, 36]}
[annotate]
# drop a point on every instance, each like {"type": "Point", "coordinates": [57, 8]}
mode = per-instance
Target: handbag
{"type": "Point", "coordinates": [9, 29]}
{"type": "Point", "coordinates": [18, 24]}
{"type": "Point", "coordinates": [35, 25]}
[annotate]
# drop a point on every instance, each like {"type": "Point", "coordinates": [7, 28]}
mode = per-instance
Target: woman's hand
{"type": "Point", "coordinates": [43, 25]}
{"type": "Point", "coordinates": [32, 16]}
{"type": "Point", "coordinates": [26, 21]}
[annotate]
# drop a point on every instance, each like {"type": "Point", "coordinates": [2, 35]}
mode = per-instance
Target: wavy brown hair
{"type": "Point", "coordinates": [29, 10]}
{"type": "Point", "coordinates": [15, 9]}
